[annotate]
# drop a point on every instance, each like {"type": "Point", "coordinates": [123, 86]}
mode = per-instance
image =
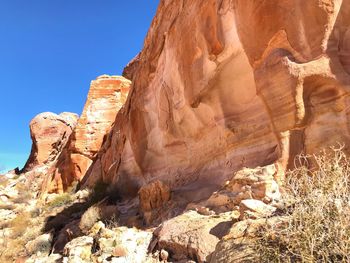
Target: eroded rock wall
{"type": "Point", "coordinates": [226, 84]}
{"type": "Point", "coordinates": [106, 96]}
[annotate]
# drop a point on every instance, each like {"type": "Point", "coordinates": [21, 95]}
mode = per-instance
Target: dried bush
{"type": "Point", "coordinates": [20, 224]}
{"type": "Point", "coordinates": [60, 200]}
{"type": "Point", "coordinates": [318, 208]}
{"type": "Point", "coordinates": [89, 218]}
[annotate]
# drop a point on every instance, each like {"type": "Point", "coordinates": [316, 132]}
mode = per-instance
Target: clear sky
{"type": "Point", "coordinates": [50, 50]}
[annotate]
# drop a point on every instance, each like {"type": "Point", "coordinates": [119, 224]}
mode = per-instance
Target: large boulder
{"type": "Point", "coordinates": [153, 197]}
{"type": "Point", "coordinates": [193, 236]}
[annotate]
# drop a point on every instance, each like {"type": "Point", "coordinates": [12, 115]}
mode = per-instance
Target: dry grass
{"type": "Point", "coordinates": [20, 224]}
{"type": "Point", "coordinates": [60, 200]}
{"type": "Point", "coordinates": [318, 229]}
{"type": "Point", "coordinates": [89, 218]}
{"type": "Point", "coordinates": [14, 247]}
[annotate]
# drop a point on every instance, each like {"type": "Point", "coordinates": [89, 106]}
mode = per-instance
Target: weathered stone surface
{"type": "Point", "coordinates": [152, 197]}
{"type": "Point", "coordinates": [124, 244]}
{"type": "Point", "coordinates": [238, 244]}
{"type": "Point", "coordinates": [106, 97]}
{"type": "Point", "coordinates": [256, 184]}
{"type": "Point", "coordinates": [222, 85]}
{"type": "Point", "coordinates": [79, 249]}
{"type": "Point", "coordinates": [49, 133]}
{"type": "Point", "coordinates": [192, 236]}
{"type": "Point", "coordinates": [251, 208]}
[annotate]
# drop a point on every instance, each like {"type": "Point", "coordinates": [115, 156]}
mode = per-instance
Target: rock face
{"type": "Point", "coordinates": [49, 133]}
{"type": "Point", "coordinates": [222, 85]}
{"type": "Point", "coordinates": [106, 97]}
{"type": "Point", "coordinates": [152, 197]}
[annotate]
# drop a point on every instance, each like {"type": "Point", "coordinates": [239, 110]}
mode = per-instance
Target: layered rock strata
{"type": "Point", "coordinates": [106, 97]}
{"type": "Point", "coordinates": [222, 85]}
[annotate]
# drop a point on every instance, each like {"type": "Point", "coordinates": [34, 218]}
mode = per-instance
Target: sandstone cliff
{"type": "Point", "coordinates": [106, 96]}
{"type": "Point", "coordinates": [221, 85]}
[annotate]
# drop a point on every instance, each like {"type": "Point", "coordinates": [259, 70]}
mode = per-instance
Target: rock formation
{"type": "Point", "coordinates": [49, 133]}
{"type": "Point", "coordinates": [222, 85]}
{"type": "Point", "coordinates": [106, 97]}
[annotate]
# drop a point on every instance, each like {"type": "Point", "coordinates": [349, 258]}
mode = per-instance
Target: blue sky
{"type": "Point", "coordinates": [50, 50]}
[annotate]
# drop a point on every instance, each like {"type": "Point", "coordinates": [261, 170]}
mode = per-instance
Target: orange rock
{"type": "Point", "coordinates": [152, 197]}
{"type": "Point", "coordinates": [222, 85]}
{"type": "Point", "coordinates": [49, 133]}
{"type": "Point", "coordinates": [106, 97]}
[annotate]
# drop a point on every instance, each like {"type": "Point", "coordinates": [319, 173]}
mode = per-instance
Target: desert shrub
{"type": "Point", "coordinates": [107, 214]}
{"type": "Point", "coordinates": [112, 222]}
{"type": "Point", "coordinates": [20, 224]}
{"type": "Point", "coordinates": [104, 191]}
{"type": "Point", "coordinates": [73, 188]}
{"type": "Point", "coordinates": [24, 193]}
{"type": "Point", "coordinates": [13, 249]}
{"type": "Point", "coordinates": [60, 200]}
{"type": "Point", "coordinates": [318, 211]}
{"type": "Point", "coordinates": [89, 218]}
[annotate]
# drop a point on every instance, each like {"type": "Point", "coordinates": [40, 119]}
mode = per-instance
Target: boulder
{"type": "Point", "coordinates": [192, 236]}
{"type": "Point", "coordinates": [41, 244]}
{"type": "Point", "coordinates": [238, 244]}
{"type": "Point", "coordinates": [258, 183]}
{"type": "Point", "coordinates": [251, 208]}
{"type": "Point", "coordinates": [79, 249]}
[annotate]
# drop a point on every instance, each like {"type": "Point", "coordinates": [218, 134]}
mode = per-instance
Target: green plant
{"type": "Point", "coordinates": [318, 212]}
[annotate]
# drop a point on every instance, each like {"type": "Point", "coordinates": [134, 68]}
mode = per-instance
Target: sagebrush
{"type": "Point", "coordinates": [317, 195]}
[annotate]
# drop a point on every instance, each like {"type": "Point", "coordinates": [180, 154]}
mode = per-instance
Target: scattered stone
{"type": "Point", "coordinates": [164, 255]}
{"type": "Point", "coordinates": [79, 249]}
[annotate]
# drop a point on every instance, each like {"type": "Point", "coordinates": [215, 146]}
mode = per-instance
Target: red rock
{"type": "Point", "coordinates": [152, 197]}
{"type": "Point", "coordinates": [220, 86]}
{"type": "Point", "coordinates": [49, 133]}
{"type": "Point", "coordinates": [106, 97]}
